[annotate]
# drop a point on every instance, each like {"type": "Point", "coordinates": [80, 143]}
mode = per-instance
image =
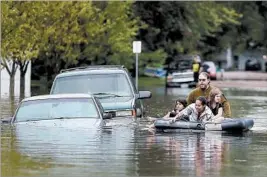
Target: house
{"type": "Point", "coordinates": [237, 61]}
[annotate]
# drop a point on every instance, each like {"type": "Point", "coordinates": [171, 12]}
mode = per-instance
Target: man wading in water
{"type": "Point", "coordinates": [204, 89]}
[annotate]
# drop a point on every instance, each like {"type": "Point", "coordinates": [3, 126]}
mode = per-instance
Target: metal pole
{"type": "Point", "coordinates": [0, 87]}
{"type": "Point", "coordinates": [136, 71]}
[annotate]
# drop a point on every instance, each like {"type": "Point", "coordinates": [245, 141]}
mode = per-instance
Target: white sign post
{"type": "Point", "coordinates": [0, 87]}
{"type": "Point", "coordinates": [136, 49]}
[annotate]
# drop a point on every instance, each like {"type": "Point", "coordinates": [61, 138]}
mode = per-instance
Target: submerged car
{"type": "Point", "coordinates": [112, 85]}
{"type": "Point", "coordinates": [252, 65]}
{"type": "Point", "coordinates": [81, 109]}
{"type": "Point", "coordinates": [180, 72]}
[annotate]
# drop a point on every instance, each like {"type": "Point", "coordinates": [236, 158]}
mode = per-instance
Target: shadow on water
{"type": "Point", "coordinates": [8, 106]}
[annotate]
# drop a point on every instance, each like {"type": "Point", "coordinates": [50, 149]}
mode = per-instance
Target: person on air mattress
{"type": "Point", "coordinates": [196, 112]}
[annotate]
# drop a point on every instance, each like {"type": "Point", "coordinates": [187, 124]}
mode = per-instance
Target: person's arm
{"type": "Point", "coordinates": [167, 115]}
{"type": "Point", "coordinates": [208, 117]}
{"type": "Point", "coordinates": [220, 113]}
{"type": "Point", "coordinates": [185, 112]}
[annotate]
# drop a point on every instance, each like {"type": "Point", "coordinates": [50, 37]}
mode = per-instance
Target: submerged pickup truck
{"type": "Point", "coordinates": [111, 84]}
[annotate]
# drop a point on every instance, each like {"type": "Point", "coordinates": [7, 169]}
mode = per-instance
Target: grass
{"type": "Point", "coordinates": [35, 83]}
{"type": "Point", "coordinates": [151, 81]}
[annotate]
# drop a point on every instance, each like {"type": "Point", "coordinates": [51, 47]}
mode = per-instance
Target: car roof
{"type": "Point", "coordinates": [57, 96]}
{"type": "Point", "coordinates": [91, 71]}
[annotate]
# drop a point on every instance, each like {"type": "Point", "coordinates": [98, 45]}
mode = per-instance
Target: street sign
{"type": "Point", "coordinates": [137, 45]}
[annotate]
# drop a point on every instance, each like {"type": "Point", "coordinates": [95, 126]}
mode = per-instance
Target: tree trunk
{"type": "Point", "coordinates": [12, 85]}
{"type": "Point", "coordinates": [23, 69]}
{"type": "Point", "coordinates": [22, 85]}
{"type": "Point", "coordinates": [12, 105]}
{"type": "Point", "coordinates": [11, 69]}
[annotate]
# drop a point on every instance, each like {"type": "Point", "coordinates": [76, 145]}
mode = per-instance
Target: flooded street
{"type": "Point", "coordinates": [131, 150]}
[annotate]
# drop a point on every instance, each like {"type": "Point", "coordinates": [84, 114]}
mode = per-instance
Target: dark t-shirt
{"type": "Point", "coordinates": [216, 109]}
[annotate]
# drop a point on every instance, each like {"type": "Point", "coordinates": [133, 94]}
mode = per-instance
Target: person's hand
{"type": "Point", "coordinates": [172, 120]}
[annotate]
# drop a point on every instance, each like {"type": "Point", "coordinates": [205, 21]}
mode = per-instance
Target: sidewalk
{"type": "Point", "coordinates": [242, 80]}
{"type": "Point", "coordinates": [243, 75]}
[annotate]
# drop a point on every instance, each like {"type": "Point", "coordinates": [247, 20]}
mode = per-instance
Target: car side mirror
{"type": "Point", "coordinates": [6, 120]}
{"type": "Point", "coordinates": [107, 115]}
{"type": "Point", "coordinates": [144, 94]}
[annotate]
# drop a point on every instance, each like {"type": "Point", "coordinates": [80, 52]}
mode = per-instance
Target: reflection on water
{"type": "Point", "coordinates": [64, 150]}
{"type": "Point", "coordinates": [187, 154]}
{"type": "Point", "coordinates": [128, 152]}
{"type": "Point", "coordinates": [28, 150]}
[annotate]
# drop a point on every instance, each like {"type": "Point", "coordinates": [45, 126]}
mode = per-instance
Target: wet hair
{"type": "Point", "coordinates": [182, 101]}
{"type": "Point", "coordinates": [205, 74]}
{"type": "Point", "coordinates": [213, 93]}
{"type": "Point", "coordinates": [203, 100]}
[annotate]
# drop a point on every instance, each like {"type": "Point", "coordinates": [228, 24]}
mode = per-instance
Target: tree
{"type": "Point", "coordinates": [238, 36]}
{"type": "Point", "coordinates": [180, 27]}
{"type": "Point", "coordinates": [113, 43]}
{"type": "Point", "coordinates": [21, 38]}
{"type": "Point", "coordinates": [98, 32]}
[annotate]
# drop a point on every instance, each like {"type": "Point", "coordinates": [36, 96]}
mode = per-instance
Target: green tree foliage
{"type": "Point", "coordinates": [20, 37]}
{"type": "Point", "coordinates": [251, 29]}
{"type": "Point", "coordinates": [64, 30]}
{"type": "Point", "coordinates": [63, 34]}
{"type": "Point", "coordinates": [180, 27]}
{"type": "Point", "coordinates": [87, 33]}
{"type": "Point", "coordinates": [113, 43]}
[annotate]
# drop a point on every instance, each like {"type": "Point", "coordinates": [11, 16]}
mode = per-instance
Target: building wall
{"type": "Point", "coordinates": [238, 61]}
{"type": "Point", "coordinates": [4, 82]}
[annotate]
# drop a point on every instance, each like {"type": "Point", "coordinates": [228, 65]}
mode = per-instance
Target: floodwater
{"type": "Point", "coordinates": [131, 150]}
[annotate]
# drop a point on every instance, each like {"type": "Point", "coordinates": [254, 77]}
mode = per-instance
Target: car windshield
{"type": "Point", "coordinates": [180, 65]}
{"type": "Point", "coordinates": [100, 84]}
{"type": "Point", "coordinates": [60, 108]}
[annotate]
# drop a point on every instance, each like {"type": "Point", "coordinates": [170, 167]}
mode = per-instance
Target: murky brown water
{"type": "Point", "coordinates": [133, 151]}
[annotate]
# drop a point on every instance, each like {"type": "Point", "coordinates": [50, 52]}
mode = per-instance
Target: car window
{"type": "Point", "coordinates": [180, 65]}
{"type": "Point", "coordinates": [94, 83]}
{"type": "Point", "coordinates": [56, 108]}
